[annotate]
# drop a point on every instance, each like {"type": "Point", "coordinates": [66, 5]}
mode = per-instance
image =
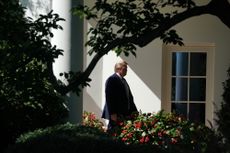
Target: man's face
{"type": "Point", "coordinates": [123, 70]}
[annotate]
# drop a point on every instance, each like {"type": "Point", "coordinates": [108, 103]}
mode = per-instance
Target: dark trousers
{"type": "Point", "coordinates": [111, 125]}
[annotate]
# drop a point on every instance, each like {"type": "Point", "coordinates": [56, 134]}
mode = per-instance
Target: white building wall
{"type": "Point", "coordinates": [92, 96]}
{"type": "Point", "coordinates": [144, 73]}
{"type": "Point", "coordinates": [207, 28]}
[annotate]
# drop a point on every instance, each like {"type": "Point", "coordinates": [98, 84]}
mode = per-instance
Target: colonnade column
{"type": "Point", "coordinates": [70, 39]}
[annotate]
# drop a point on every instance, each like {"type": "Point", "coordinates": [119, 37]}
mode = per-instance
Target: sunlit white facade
{"type": "Point", "coordinates": [147, 73]}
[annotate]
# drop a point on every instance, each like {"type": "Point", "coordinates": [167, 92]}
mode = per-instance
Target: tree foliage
{"type": "Point", "coordinates": [224, 112]}
{"type": "Point", "coordinates": [27, 97]}
{"type": "Point", "coordinates": [121, 26]}
{"type": "Point", "coordinates": [30, 93]}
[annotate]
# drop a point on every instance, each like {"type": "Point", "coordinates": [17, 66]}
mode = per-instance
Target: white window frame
{"type": "Point", "coordinates": [208, 48]}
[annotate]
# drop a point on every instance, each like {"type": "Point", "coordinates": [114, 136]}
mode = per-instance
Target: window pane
{"type": "Point", "coordinates": [197, 113]}
{"type": "Point", "coordinates": [179, 64]}
{"type": "Point", "coordinates": [180, 109]}
{"type": "Point", "coordinates": [179, 89]}
{"type": "Point", "coordinates": [197, 89]}
{"type": "Point", "coordinates": [198, 64]}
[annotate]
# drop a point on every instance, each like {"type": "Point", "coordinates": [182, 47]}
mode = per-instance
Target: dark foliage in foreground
{"type": "Point", "coordinates": [70, 138]}
{"type": "Point", "coordinates": [27, 97]}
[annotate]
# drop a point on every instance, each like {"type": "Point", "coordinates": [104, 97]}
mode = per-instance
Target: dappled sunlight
{"type": "Point", "coordinates": [145, 99]}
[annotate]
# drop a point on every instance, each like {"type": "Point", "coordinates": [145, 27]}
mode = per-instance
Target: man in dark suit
{"type": "Point", "coordinates": [119, 99]}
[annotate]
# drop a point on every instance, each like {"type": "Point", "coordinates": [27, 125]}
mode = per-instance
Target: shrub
{"type": "Point", "coordinates": [168, 131]}
{"type": "Point", "coordinates": [160, 132]}
{"type": "Point", "coordinates": [70, 138]}
{"type": "Point", "coordinates": [223, 114]}
{"type": "Point", "coordinates": [66, 129]}
{"type": "Point", "coordinates": [89, 119]}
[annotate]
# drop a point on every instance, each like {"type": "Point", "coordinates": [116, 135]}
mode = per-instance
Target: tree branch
{"type": "Point", "coordinates": [218, 8]}
{"type": "Point", "coordinates": [221, 9]}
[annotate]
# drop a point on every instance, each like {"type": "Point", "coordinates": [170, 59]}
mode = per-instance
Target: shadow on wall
{"type": "Point", "coordinates": [147, 65]}
{"type": "Point", "coordinates": [144, 81]}
{"type": "Point", "coordinates": [145, 98]}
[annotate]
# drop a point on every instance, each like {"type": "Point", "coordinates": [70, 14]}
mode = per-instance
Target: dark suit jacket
{"type": "Point", "coordinates": [117, 101]}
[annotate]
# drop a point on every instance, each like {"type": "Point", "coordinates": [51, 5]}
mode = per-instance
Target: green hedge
{"type": "Point", "coordinates": [72, 138]}
{"type": "Point", "coordinates": [69, 138]}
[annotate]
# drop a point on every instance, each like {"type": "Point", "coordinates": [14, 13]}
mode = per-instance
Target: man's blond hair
{"type": "Point", "coordinates": [119, 65]}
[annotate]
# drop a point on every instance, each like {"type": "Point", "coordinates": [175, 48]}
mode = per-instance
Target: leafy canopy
{"type": "Point", "coordinates": [121, 26]}
{"type": "Point", "coordinates": [28, 99]}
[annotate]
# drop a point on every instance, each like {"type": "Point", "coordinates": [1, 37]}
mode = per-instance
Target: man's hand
{"type": "Point", "coordinates": [114, 117]}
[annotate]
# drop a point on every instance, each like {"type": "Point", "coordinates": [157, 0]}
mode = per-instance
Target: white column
{"type": "Point", "coordinates": [71, 41]}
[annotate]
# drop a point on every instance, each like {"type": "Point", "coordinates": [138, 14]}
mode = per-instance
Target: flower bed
{"type": "Point", "coordinates": [166, 130]}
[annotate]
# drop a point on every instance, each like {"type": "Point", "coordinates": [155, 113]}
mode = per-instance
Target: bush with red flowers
{"type": "Point", "coordinates": [90, 119]}
{"type": "Point", "coordinates": [166, 130]}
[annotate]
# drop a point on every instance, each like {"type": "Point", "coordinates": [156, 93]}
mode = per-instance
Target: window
{"type": "Point", "coordinates": [187, 82]}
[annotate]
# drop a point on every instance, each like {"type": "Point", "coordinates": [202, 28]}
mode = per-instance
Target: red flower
{"type": "Point", "coordinates": [120, 123]}
{"type": "Point", "coordinates": [159, 134]}
{"type": "Point", "coordinates": [92, 116]}
{"type": "Point", "coordinates": [129, 135]}
{"type": "Point", "coordinates": [147, 139]}
{"type": "Point", "coordinates": [160, 142]}
{"type": "Point", "coordinates": [142, 140]}
{"type": "Point", "coordinates": [173, 140]}
{"type": "Point", "coordinates": [114, 134]}
{"type": "Point", "coordinates": [138, 125]}
{"type": "Point", "coordinates": [124, 139]}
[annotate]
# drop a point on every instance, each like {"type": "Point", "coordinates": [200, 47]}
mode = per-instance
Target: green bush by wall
{"type": "Point", "coordinates": [69, 138]}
